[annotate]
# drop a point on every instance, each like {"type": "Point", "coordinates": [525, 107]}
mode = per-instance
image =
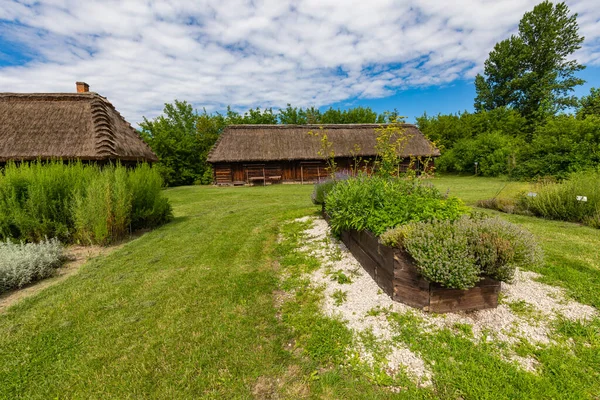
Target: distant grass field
{"type": "Point", "coordinates": [190, 311]}
{"type": "Point", "coordinates": [473, 188]}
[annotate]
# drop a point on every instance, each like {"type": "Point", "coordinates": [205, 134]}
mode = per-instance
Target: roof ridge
{"type": "Point", "coordinates": [103, 129]}
{"type": "Point", "coordinates": [329, 126]}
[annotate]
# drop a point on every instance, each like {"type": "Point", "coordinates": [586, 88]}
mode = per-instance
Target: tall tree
{"type": "Point", "coordinates": [532, 71]}
{"type": "Point", "coordinates": [590, 104]}
{"type": "Point", "coordinates": [174, 138]}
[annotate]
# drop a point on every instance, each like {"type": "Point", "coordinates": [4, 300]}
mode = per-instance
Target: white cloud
{"type": "Point", "coordinates": [265, 53]}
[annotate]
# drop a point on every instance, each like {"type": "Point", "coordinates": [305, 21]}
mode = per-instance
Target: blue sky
{"type": "Point", "coordinates": [413, 55]}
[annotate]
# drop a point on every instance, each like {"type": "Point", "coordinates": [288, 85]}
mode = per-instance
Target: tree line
{"type": "Point", "coordinates": [526, 123]}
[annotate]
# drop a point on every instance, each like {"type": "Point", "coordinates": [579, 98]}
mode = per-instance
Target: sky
{"type": "Point", "coordinates": [416, 56]}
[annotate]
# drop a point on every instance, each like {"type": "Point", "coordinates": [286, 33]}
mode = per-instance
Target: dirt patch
{"type": "Point", "coordinates": [288, 386]}
{"type": "Point", "coordinates": [76, 255]}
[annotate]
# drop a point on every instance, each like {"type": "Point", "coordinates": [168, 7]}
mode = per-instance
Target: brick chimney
{"type": "Point", "coordinates": [82, 87]}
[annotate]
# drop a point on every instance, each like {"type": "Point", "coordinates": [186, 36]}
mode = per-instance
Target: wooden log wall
{"type": "Point", "coordinates": [297, 171]}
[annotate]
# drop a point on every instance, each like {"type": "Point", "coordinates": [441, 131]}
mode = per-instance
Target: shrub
{"type": "Point", "coordinates": [456, 254]}
{"type": "Point", "coordinates": [562, 145]}
{"type": "Point", "coordinates": [21, 264]}
{"type": "Point", "coordinates": [508, 206]}
{"type": "Point", "coordinates": [500, 247]}
{"type": "Point", "coordinates": [441, 252]}
{"type": "Point", "coordinates": [494, 152]}
{"type": "Point", "coordinates": [76, 202]}
{"type": "Point", "coordinates": [377, 204]}
{"type": "Point", "coordinates": [559, 200]}
{"type": "Point", "coordinates": [322, 189]}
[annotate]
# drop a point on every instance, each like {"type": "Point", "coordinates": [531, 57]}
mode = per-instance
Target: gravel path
{"type": "Point", "coordinates": [543, 303]}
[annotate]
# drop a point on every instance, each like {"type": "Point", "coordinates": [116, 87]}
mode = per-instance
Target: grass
{"type": "Point", "coordinates": [473, 188]}
{"type": "Point", "coordinates": [189, 311]}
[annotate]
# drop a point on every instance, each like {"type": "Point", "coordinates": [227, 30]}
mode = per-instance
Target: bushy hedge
{"type": "Point", "coordinates": [21, 264]}
{"type": "Point", "coordinates": [377, 204]}
{"type": "Point", "coordinates": [457, 254]}
{"type": "Point", "coordinates": [494, 152]}
{"type": "Point", "coordinates": [79, 203]}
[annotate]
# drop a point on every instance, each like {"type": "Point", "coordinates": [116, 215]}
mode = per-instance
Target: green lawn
{"type": "Point", "coordinates": [473, 188]}
{"type": "Point", "coordinates": [190, 310]}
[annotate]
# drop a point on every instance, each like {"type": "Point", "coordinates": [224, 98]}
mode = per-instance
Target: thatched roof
{"type": "Point", "coordinates": [293, 142]}
{"type": "Point", "coordinates": [82, 126]}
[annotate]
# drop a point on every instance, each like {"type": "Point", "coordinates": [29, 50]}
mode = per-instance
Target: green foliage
{"type": "Point", "coordinates": [376, 204]}
{"type": "Point", "coordinates": [446, 130]}
{"type": "Point", "coordinates": [394, 237]}
{"type": "Point", "coordinates": [340, 277]}
{"type": "Point", "coordinates": [76, 202]}
{"type": "Point", "coordinates": [562, 145]}
{"type": "Point", "coordinates": [559, 200]}
{"type": "Point", "coordinates": [533, 71]}
{"type": "Point", "coordinates": [494, 153]}
{"type": "Point", "coordinates": [457, 253]}
{"type": "Point", "coordinates": [498, 142]}
{"type": "Point", "coordinates": [321, 190]}
{"type": "Point", "coordinates": [21, 264]}
{"type": "Point", "coordinates": [339, 297]}
{"type": "Point", "coordinates": [441, 252]}
{"type": "Point", "coordinates": [390, 143]}
{"type": "Point", "coordinates": [590, 104]}
{"type": "Point", "coordinates": [499, 247]}
{"type": "Point", "coordinates": [181, 139]}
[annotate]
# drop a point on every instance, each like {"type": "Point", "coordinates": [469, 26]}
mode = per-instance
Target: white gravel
{"type": "Point", "coordinates": [364, 295]}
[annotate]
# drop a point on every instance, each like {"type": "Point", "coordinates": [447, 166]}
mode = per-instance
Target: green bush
{"type": "Point", "coordinates": [321, 191]}
{"type": "Point", "coordinates": [494, 153]}
{"type": "Point", "coordinates": [558, 200]}
{"type": "Point", "coordinates": [456, 254]}
{"type": "Point", "coordinates": [377, 204]}
{"type": "Point", "coordinates": [21, 264]}
{"type": "Point", "coordinates": [77, 202]}
{"type": "Point", "coordinates": [560, 146]}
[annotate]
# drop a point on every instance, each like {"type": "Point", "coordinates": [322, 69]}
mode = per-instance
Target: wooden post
{"type": "Point", "coordinates": [301, 174]}
{"type": "Point", "coordinates": [318, 174]}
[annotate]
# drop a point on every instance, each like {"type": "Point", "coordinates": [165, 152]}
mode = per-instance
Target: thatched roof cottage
{"type": "Point", "coordinates": [289, 153]}
{"type": "Point", "coordinates": [68, 126]}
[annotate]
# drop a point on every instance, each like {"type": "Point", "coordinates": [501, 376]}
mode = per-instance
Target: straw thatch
{"type": "Point", "coordinates": [294, 142]}
{"type": "Point", "coordinates": [66, 126]}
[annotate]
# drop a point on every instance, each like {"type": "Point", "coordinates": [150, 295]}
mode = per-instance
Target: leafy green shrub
{"type": "Point", "coordinates": [76, 202]}
{"type": "Point", "coordinates": [560, 146]}
{"type": "Point", "coordinates": [560, 200]}
{"type": "Point", "coordinates": [456, 254]}
{"type": "Point", "coordinates": [321, 191]}
{"type": "Point", "coordinates": [377, 204]}
{"type": "Point", "coordinates": [21, 264]}
{"type": "Point", "coordinates": [494, 153]}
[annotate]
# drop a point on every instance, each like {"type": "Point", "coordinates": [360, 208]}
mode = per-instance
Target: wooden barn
{"type": "Point", "coordinates": [67, 126]}
{"type": "Point", "coordinates": [262, 154]}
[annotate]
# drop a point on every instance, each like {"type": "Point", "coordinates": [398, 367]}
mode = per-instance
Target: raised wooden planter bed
{"type": "Point", "coordinates": [394, 271]}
